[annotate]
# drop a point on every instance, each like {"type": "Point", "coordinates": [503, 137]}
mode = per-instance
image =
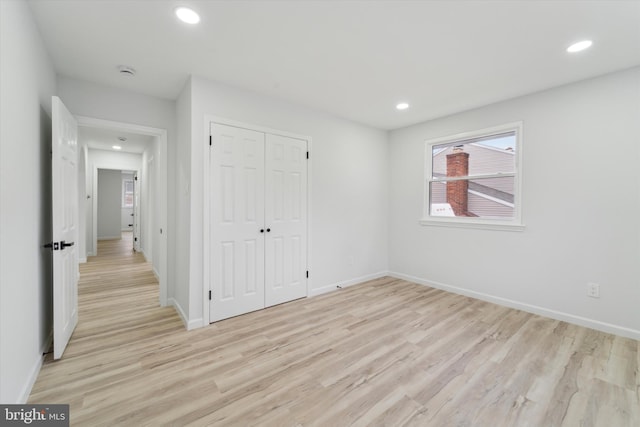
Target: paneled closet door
{"type": "Point", "coordinates": [237, 216]}
{"type": "Point", "coordinates": [286, 219]}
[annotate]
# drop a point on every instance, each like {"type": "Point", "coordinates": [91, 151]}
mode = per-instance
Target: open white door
{"type": "Point", "coordinates": [65, 225]}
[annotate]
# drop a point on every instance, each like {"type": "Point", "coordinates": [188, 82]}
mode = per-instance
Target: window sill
{"type": "Point", "coordinates": [484, 225]}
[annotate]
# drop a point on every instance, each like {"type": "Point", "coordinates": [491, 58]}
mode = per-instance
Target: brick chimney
{"type": "Point", "coordinates": [458, 191]}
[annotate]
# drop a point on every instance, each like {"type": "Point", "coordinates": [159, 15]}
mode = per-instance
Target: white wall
{"type": "Point", "coordinates": [349, 185]}
{"type": "Point", "coordinates": [107, 103]}
{"type": "Point", "coordinates": [581, 203]}
{"type": "Point", "coordinates": [27, 82]}
{"type": "Point", "coordinates": [109, 192]}
{"type": "Point", "coordinates": [83, 196]}
{"type": "Point", "coordinates": [180, 297]}
{"type": "Point", "coordinates": [149, 198]}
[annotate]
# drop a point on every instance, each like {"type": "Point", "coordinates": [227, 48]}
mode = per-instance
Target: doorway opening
{"type": "Point", "coordinates": [117, 212]}
{"type": "Point", "coordinates": [135, 157]}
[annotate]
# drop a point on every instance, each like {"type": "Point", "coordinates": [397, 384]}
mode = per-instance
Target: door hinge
{"type": "Point", "coordinates": [135, 239]}
{"type": "Point", "coordinates": [135, 177]}
{"type": "Point", "coordinates": [210, 140]}
{"type": "Point", "coordinates": [209, 295]}
{"type": "Point", "coordinates": [307, 274]}
{"type": "Point", "coordinates": [307, 154]}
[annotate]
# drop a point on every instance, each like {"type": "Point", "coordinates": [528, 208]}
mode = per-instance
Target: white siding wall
{"type": "Point", "coordinates": [482, 160]}
{"type": "Point", "coordinates": [484, 207]}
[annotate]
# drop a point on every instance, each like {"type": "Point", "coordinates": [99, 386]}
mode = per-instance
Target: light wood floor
{"type": "Point", "coordinates": [386, 352]}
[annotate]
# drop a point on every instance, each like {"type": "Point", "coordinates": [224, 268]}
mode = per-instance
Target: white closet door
{"type": "Point", "coordinates": [286, 219]}
{"type": "Point", "coordinates": [237, 216]}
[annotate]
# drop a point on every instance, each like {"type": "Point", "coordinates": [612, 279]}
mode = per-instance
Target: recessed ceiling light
{"type": "Point", "coordinates": [126, 70]}
{"type": "Point", "coordinates": [402, 106]}
{"type": "Point", "coordinates": [577, 47]}
{"type": "Point", "coordinates": [187, 15]}
{"type": "Point", "coordinates": [116, 147]}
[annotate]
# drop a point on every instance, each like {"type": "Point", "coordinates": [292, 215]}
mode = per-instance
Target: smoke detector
{"type": "Point", "coordinates": [126, 70]}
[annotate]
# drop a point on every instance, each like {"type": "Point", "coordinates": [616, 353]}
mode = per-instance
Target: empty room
{"type": "Point", "coordinates": [320, 213]}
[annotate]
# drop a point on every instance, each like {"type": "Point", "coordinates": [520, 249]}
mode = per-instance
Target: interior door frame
{"type": "Point", "coordinates": [161, 187]}
{"type": "Point", "coordinates": [206, 273]}
{"type": "Point", "coordinates": [94, 191]}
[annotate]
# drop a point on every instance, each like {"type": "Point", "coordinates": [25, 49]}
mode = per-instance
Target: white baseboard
{"type": "Point", "coordinates": [35, 370]}
{"type": "Point", "coordinates": [553, 314]}
{"type": "Point", "coordinates": [82, 260]}
{"type": "Point", "coordinates": [195, 324]}
{"type": "Point", "coordinates": [188, 324]}
{"type": "Point", "coordinates": [155, 273]}
{"type": "Point", "coordinates": [176, 305]}
{"type": "Point", "coordinates": [346, 283]}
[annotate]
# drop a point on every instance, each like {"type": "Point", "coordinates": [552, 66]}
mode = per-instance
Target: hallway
{"type": "Point", "coordinates": [118, 310]}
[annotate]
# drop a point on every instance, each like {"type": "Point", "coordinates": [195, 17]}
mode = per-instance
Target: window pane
{"type": "Point", "coordinates": [479, 156]}
{"type": "Point", "coordinates": [127, 193]}
{"type": "Point", "coordinates": [482, 197]}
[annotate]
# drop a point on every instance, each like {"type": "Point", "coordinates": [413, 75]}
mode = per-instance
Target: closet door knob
{"type": "Point", "coordinates": [268, 230]}
{"type": "Point", "coordinates": [262, 230]}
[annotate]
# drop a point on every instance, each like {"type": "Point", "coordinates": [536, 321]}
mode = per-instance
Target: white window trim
{"type": "Point", "coordinates": [514, 224]}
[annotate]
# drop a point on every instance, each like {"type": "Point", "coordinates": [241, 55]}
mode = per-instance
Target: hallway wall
{"type": "Point", "coordinates": [109, 209]}
{"type": "Point", "coordinates": [27, 82]}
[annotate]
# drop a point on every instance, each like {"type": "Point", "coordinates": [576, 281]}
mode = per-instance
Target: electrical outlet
{"type": "Point", "coordinates": [593, 290]}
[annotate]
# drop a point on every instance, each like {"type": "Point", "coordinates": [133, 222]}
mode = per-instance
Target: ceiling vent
{"type": "Point", "coordinates": [126, 70]}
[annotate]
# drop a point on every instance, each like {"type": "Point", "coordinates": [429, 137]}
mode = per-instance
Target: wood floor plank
{"type": "Point", "coordinates": [383, 353]}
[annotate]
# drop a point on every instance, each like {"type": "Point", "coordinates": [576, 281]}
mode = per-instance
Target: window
{"type": "Point", "coordinates": [473, 179]}
{"type": "Point", "coordinates": [127, 193]}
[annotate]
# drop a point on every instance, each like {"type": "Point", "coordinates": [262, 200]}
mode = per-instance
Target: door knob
{"type": "Point", "coordinates": [64, 244]}
{"type": "Point", "coordinates": [268, 230]}
{"type": "Point", "coordinates": [262, 230]}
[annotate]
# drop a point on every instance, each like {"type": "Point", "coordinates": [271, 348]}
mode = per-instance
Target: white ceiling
{"type": "Point", "coordinates": [105, 139]}
{"type": "Point", "coordinates": [355, 59]}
